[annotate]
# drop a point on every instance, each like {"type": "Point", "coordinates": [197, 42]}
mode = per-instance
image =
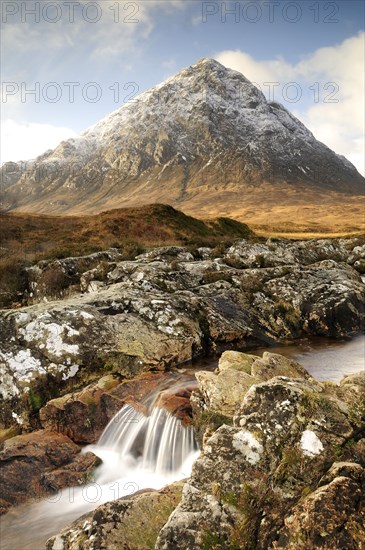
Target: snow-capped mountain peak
{"type": "Point", "coordinates": [170, 142]}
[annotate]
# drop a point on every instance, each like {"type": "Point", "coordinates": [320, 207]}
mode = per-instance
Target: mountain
{"type": "Point", "coordinates": [206, 141]}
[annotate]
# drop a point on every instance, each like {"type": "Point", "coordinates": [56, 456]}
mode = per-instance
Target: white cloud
{"type": "Point", "coordinates": [196, 20]}
{"type": "Point", "coordinates": [25, 141]}
{"type": "Point", "coordinates": [169, 64]}
{"type": "Point", "coordinates": [335, 115]}
{"type": "Point", "coordinates": [107, 28]}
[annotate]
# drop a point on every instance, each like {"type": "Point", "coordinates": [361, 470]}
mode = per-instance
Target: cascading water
{"type": "Point", "coordinates": [160, 444]}
{"type": "Point", "coordinates": [131, 447]}
{"type": "Point", "coordinates": [137, 452]}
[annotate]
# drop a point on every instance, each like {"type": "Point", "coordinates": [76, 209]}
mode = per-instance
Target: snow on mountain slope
{"type": "Point", "coordinates": [207, 126]}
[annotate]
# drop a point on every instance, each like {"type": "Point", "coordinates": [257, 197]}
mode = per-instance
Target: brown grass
{"type": "Point", "coordinates": [29, 238]}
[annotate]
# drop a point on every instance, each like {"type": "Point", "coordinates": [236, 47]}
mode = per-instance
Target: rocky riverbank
{"type": "Point", "coordinates": [75, 355]}
{"type": "Point", "coordinates": [169, 306]}
{"type": "Point", "coordinates": [282, 466]}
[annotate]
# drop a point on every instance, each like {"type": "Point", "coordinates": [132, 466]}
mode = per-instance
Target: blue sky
{"type": "Point", "coordinates": [107, 51]}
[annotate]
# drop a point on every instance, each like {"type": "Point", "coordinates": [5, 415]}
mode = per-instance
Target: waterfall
{"type": "Point", "coordinates": [154, 450]}
{"type": "Point", "coordinates": [159, 443]}
{"type": "Point", "coordinates": [137, 451]}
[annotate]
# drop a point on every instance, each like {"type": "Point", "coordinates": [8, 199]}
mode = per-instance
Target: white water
{"type": "Point", "coordinates": [131, 449]}
{"type": "Point", "coordinates": [138, 452]}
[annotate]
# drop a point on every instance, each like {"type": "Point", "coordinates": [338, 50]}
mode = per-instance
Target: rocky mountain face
{"type": "Point", "coordinates": [204, 134]}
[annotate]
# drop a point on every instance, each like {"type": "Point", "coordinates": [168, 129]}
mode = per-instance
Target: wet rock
{"type": "Point", "coordinates": [273, 479]}
{"type": "Point", "coordinates": [82, 415]}
{"type": "Point", "coordinates": [178, 404]}
{"type": "Point", "coordinates": [26, 461]}
{"type": "Point", "coordinates": [77, 472]}
{"type": "Point", "coordinates": [130, 523]}
{"type": "Point", "coordinates": [167, 307]}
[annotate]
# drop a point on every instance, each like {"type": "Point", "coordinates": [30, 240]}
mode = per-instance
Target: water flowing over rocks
{"type": "Point", "coordinates": [169, 306]}
{"type": "Point", "coordinates": [284, 467]}
{"type": "Point", "coordinates": [83, 415]}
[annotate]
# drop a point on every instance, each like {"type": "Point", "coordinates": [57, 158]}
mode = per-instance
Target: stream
{"type": "Point", "coordinates": [149, 452]}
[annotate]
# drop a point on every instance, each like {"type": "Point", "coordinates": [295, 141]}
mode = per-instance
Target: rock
{"type": "Point", "coordinates": [178, 253]}
{"type": "Point", "coordinates": [27, 460]}
{"type": "Point", "coordinates": [272, 365]}
{"type": "Point", "coordinates": [284, 252]}
{"type": "Point", "coordinates": [76, 472]}
{"type": "Point", "coordinates": [54, 278]}
{"type": "Point", "coordinates": [333, 516]}
{"type": "Point", "coordinates": [177, 404]}
{"type": "Point", "coordinates": [130, 523]}
{"type": "Point", "coordinates": [166, 308]}
{"type": "Point", "coordinates": [10, 432]}
{"type": "Point", "coordinates": [357, 379]}
{"type": "Point", "coordinates": [82, 415]}
{"type": "Point", "coordinates": [224, 392]}
{"type": "Point", "coordinates": [237, 361]}
{"type": "Point", "coordinates": [272, 479]}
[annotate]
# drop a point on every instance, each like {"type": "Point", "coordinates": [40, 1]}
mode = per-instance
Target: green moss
{"type": "Point", "coordinates": [213, 541]}
{"type": "Point", "coordinates": [35, 400]}
{"type": "Point", "coordinates": [213, 419]}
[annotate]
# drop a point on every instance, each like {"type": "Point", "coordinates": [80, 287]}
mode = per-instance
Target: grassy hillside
{"type": "Point", "coordinates": [29, 238]}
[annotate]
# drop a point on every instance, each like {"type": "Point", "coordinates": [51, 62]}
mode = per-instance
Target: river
{"type": "Point", "coordinates": [27, 527]}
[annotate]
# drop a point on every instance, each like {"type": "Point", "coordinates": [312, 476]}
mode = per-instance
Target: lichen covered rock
{"type": "Point", "coordinates": [167, 307]}
{"type": "Point", "coordinates": [130, 523]}
{"type": "Point", "coordinates": [273, 479]}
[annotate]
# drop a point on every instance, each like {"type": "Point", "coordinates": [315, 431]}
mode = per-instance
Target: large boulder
{"type": "Point", "coordinates": [82, 415]}
{"type": "Point", "coordinates": [221, 393]}
{"type": "Point", "coordinates": [272, 479]}
{"type": "Point", "coordinates": [40, 463]}
{"type": "Point", "coordinates": [130, 523]}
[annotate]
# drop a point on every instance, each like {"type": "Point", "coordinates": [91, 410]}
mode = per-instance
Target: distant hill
{"type": "Point", "coordinates": [28, 238]}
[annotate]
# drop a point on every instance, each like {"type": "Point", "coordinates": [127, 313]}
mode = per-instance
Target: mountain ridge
{"type": "Point", "coordinates": [201, 135]}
